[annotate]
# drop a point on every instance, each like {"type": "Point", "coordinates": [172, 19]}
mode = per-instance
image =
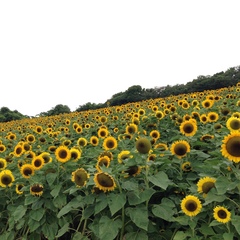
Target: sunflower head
{"type": "Point", "coordinates": [233, 124]}
{"type": "Point", "coordinates": [188, 128]}
{"type": "Point", "coordinates": [104, 181]}
{"type": "Point", "coordinates": [80, 177]}
{"type": "Point", "coordinates": [27, 170]}
{"type": "Point", "coordinates": [180, 148]}
{"type": "Point", "coordinates": [191, 205]}
{"type": "Point", "coordinates": [143, 145]}
{"type": "Point", "coordinates": [6, 178]}
{"type": "Point", "coordinates": [109, 143]}
{"type": "Point", "coordinates": [221, 214]}
{"type": "Point", "coordinates": [36, 189]}
{"type": "Point", "coordinates": [63, 154]}
{"type": "Point", "coordinates": [205, 184]}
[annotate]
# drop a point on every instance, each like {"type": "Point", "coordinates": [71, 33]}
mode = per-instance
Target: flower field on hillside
{"type": "Point", "coordinates": [164, 168]}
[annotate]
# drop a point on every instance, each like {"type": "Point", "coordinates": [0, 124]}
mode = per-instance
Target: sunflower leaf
{"type": "Point", "coordinates": [236, 223]}
{"type": "Point", "coordinates": [139, 235]}
{"type": "Point", "coordinates": [19, 212]}
{"type": "Point", "coordinates": [160, 179]}
{"type": "Point", "coordinates": [116, 202]}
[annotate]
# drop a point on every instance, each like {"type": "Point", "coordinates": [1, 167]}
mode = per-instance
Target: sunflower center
{"type": "Point", "coordinates": [37, 188]}
{"type": "Point", "coordinates": [6, 179]}
{"type": "Point", "coordinates": [18, 150]}
{"type": "Point", "coordinates": [104, 180]}
{"type": "Point", "coordinates": [132, 170]}
{"type": "Point", "coordinates": [110, 144]}
{"type": "Point", "coordinates": [235, 124]}
{"type": "Point", "coordinates": [180, 149]}
{"type": "Point", "coordinates": [80, 178]}
{"type": "Point", "coordinates": [27, 171]}
{"type": "Point", "coordinates": [37, 163]}
{"type": "Point", "coordinates": [62, 154]}
{"type": "Point", "coordinates": [206, 187]}
{"type": "Point", "coordinates": [222, 214]}
{"type": "Point", "coordinates": [191, 205]}
{"type": "Point", "coordinates": [233, 146]}
{"type": "Point", "coordinates": [188, 128]}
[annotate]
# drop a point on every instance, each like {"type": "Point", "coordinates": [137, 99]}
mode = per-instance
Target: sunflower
{"type": "Point", "coordinates": [46, 157]}
{"type": "Point", "coordinates": [18, 188]}
{"type": "Point", "coordinates": [36, 189]}
{"type": "Point", "coordinates": [103, 161]}
{"type": "Point", "coordinates": [143, 145]}
{"type": "Point", "coordinates": [80, 177]}
{"type": "Point", "coordinates": [30, 138]}
{"type": "Point", "coordinates": [110, 143]}
{"type": "Point", "coordinates": [186, 167]}
{"type": "Point", "coordinates": [231, 147]}
{"type": "Point", "coordinates": [104, 181]}
{"type": "Point", "coordinates": [155, 134]}
{"type": "Point", "coordinates": [131, 128]}
{"type": "Point", "coordinates": [18, 150]}
{"type": "Point", "coordinates": [207, 103]}
{"type": "Point", "coordinates": [3, 163]}
{"type": "Point", "coordinates": [159, 115]}
{"type": "Point", "coordinates": [124, 154]}
{"type": "Point", "coordinates": [212, 116]}
{"type": "Point", "coordinates": [206, 137]}
{"type": "Point", "coordinates": [133, 171]}
{"type": "Point", "coordinates": [188, 128]}
{"type": "Point", "coordinates": [203, 118]}
{"type": "Point", "coordinates": [27, 170]}
{"type": "Point", "coordinates": [94, 140]}
{"type": "Point", "coordinates": [38, 129]}
{"type": "Point", "coordinates": [2, 148]}
{"type": "Point", "coordinates": [221, 214]}
{"type": "Point", "coordinates": [191, 205]}
{"type": "Point", "coordinates": [63, 154]}
{"type": "Point", "coordinates": [205, 184]}
{"type": "Point", "coordinates": [37, 162]}
{"type": "Point", "coordinates": [106, 153]}
{"type": "Point", "coordinates": [180, 148]}
{"type": "Point", "coordinates": [6, 178]}
{"type": "Point", "coordinates": [82, 142]}
{"type": "Point", "coordinates": [75, 154]}
{"type": "Point", "coordinates": [233, 124]}
{"type": "Point", "coordinates": [102, 132]}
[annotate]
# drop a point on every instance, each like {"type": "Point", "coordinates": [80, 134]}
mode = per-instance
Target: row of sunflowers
{"type": "Point", "coordinates": [166, 168]}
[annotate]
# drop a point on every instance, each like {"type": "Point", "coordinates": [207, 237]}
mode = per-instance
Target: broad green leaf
{"type": "Point", "coordinates": [116, 202]}
{"type": "Point", "coordinates": [62, 230]}
{"type": "Point", "coordinates": [129, 186]}
{"type": "Point", "coordinates": [139, 215]}
{"type": "Point", "coordinates": [78, 236]}
{"type": "Point", "coordinates": [236, 223]}
{"type": "Point", "coordinates": [50, 230]}
{"type": "Point", "coordinates": [160, 179]}
{"type": "Point", "coordinates": [180, 235]}
{"type": "Point", "coordinates": [19, 212]}
{"type": "Point", "coordinates": [212, 197]}
{"type": "Point", "coordinates": [51, 177]}
{"type": "Point", "coordinates": [29, 199]}
{"type": "Point", "coordinates": [100, 205]}
{"type": "Point", "coordinates": [135, 199]}
{"type": "Point", "coordinates": [221, 185]}
{"type": "Point", "coordinates": [56, 191]}
{"type": "Point", "coordinates": [87, 212]}
{"type": "Point", "coordinates": [140, 235]}
{"type": "Point", "coordinates": [37, 214]}
{"type": "Point", "coordinates": [108, 228]}
{"type": "Point", "coordinates": [183, 220]}
{"type": "Point", "coordinates": [66, 209]}
{"type": "Point", "coordinates": [163, 212]}
{"type": "Point", "coordinates": [33, 224]}
{"type": "Point", "coordinates": [206, 230]}
{"type": "Point", "coordinates": [228, 236]}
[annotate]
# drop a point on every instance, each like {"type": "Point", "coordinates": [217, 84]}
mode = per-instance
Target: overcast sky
{"type": "Point", "coordinates": [74, 52]}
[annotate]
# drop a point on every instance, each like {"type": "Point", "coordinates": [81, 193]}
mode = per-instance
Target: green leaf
{"type": "Point", "coordinates": [160, 179]}
{"type": "Point", "coordinates": [51, 177]}
{"type": "Point", "coordinates": [62, 230]}
{"type": "Point", "coordinates": [212, 197]}
{"type": "Point", "coordinates": [56, 191]}
{"type": "Point", "coordinates": [228, 236]}
{"type": "Point", "coordinates": [33, 224]}
{"type": "Point", "coordinates": [87, 212]}
{"type": "Point", "coordinates": [139, 215]}
{"type": "Point", "coordinates": [100, 205]}
{"type": "Point", "coordinates": [180, 235]}
{"type": "Point", "coordinates": [19, 212]}
{"type": "Point", "coordinates": [29, 199]}
{"type": "Point", "coordinates": [236, 223]}
{"type": "Point", "coordinates": [221, 185]}
{"type": "Point", "coordinates": [183, 220]}
{"type": "Point", "coordinates": [78, 236]}
{"type": "Point", "coordinates": [129, 186]}
{"type": "Point", "coordinates": [50, 230]}
{"type": "Point", "coordinates": [135, 198]}
{"type": "Point", "coordinates": [116, 202]}
{"type": "Point", "coordinates": [108, 228]}
{"type": "Point", "coordinates": [206, 230]}
{"type": "Point", "coordinates": [37, 214]}
{"type": "Point", "coordinates": [66, 209]}
{"type": "Point", "coordinates": [140, 235]}
{"type": "Point", "coordinates": [60, 201]}
{"type": "Point", "coordinates": [163, 212]}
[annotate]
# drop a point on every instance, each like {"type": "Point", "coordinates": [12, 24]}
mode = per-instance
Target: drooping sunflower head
{"type": "Point", "coordinates": [186, 167]}
{"type": "Point", "coordinates": [221, 214]}
{"type": "Point", "coordinates": [143, 145]}
{"type": "Point", "coordinates": [27, 170]}
{"type": "Point", "coordinates": [233, 124]}
{"type": "Point", "coordinates": [36, 189]}
{"type": "Point", "coordinates": [132, 171]}
{"type": "Point", "coordinates": [18, 189]}
{"type": "Point", "coordinates": [63, 154]}
{"type": "Point", "coordinates": [191, 205]}
{"type": "Point", "coordinates": [103, 161]}
{"type": "Point", "coordinates": [188, 128]}
{"type": "Point", "coordinates": [109, 143]}
{"type": "Point", "coordinates": [104, 181]}
{"type": "Point", "coordinates": [3, 163]}
{"type": "Point", "coordinates": [180, 148]}
{"type": "Point", "coordinates": [206, 137]}
{"type": "Point", "coordinates": [124, 154]}
{"type": "Point", "coordinates": [80, 177]}
{"type": "Point", "coordinates": [106, 153]}
{"type": "Point", "coordinates": [6, 178]}
{"type": "Point", "coordinates": [231, 147]}
{"type": "Point", "coordinates": [205, 184]}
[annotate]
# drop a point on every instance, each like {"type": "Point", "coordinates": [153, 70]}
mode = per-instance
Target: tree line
{"type": "Point", "coordinates": [136, 93]}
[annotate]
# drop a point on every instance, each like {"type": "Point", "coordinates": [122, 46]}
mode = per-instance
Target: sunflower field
{"type": "Point", "coordinates": [166, 168]}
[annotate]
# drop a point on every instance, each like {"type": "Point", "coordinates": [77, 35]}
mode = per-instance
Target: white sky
{"type": "Point", "coordinates": [74, 52]}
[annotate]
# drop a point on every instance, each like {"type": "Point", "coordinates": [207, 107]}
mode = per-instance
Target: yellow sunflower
{"type": "Point", "coordinates": [155, 134]}
{"type": "Point", "coordinates": [104, 181]}
{"type": "Point", "coordinates": [131, 128]}
{"type": "Point", "coordinates": [36, 189]}
{"type": "Point", "coordinates": [221, 214]}
{"type": "Point", "coordinates": [6, 178]}
{"type": "Point", "coordinates": [186, 167]}
{"type": "Point", "coordinates": [212, 116]}
{"type": "Point", "coordinates": [133, 171]}
{"type": "Point", "coordinates": [233, 124]}
{"type": "Point", "coordinates": [38, 162]}
{"type": "Point", "coordinates": [124, 154]}
{"type": "Point", "coordinates": [94, 140]}
{"type": "Point", "coordinates": [3, 163]}
{"type": "Point", "coordinates": [82, 142]}
{"type": "Point", "coordinates": [231, 147]}
{"type": "Point", "coordinates": [63, 154]}
{"type": "Point", "coordinates": [103, 161]}
{"type": "Point", "coordinates": [27, 170]}
{"type": "Point", "coordinates": [110, 143]}
{"type": "Point", "coordinates": [191, 205]}
{"type": "Point", "coordinates": [188, 128]}
{"type": "Point", "coordinates": [75, 154]}
{"type": "Point", "coordinates": [18, 188]}
{"type": "Point", "coordinates": [102, 132]}
{"type": "Point", "coordinates": [180, 148]}
{"type": "Point", "coordinates": [205, 184]}
{"type": "Point", "coordinates": [80, 177]}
